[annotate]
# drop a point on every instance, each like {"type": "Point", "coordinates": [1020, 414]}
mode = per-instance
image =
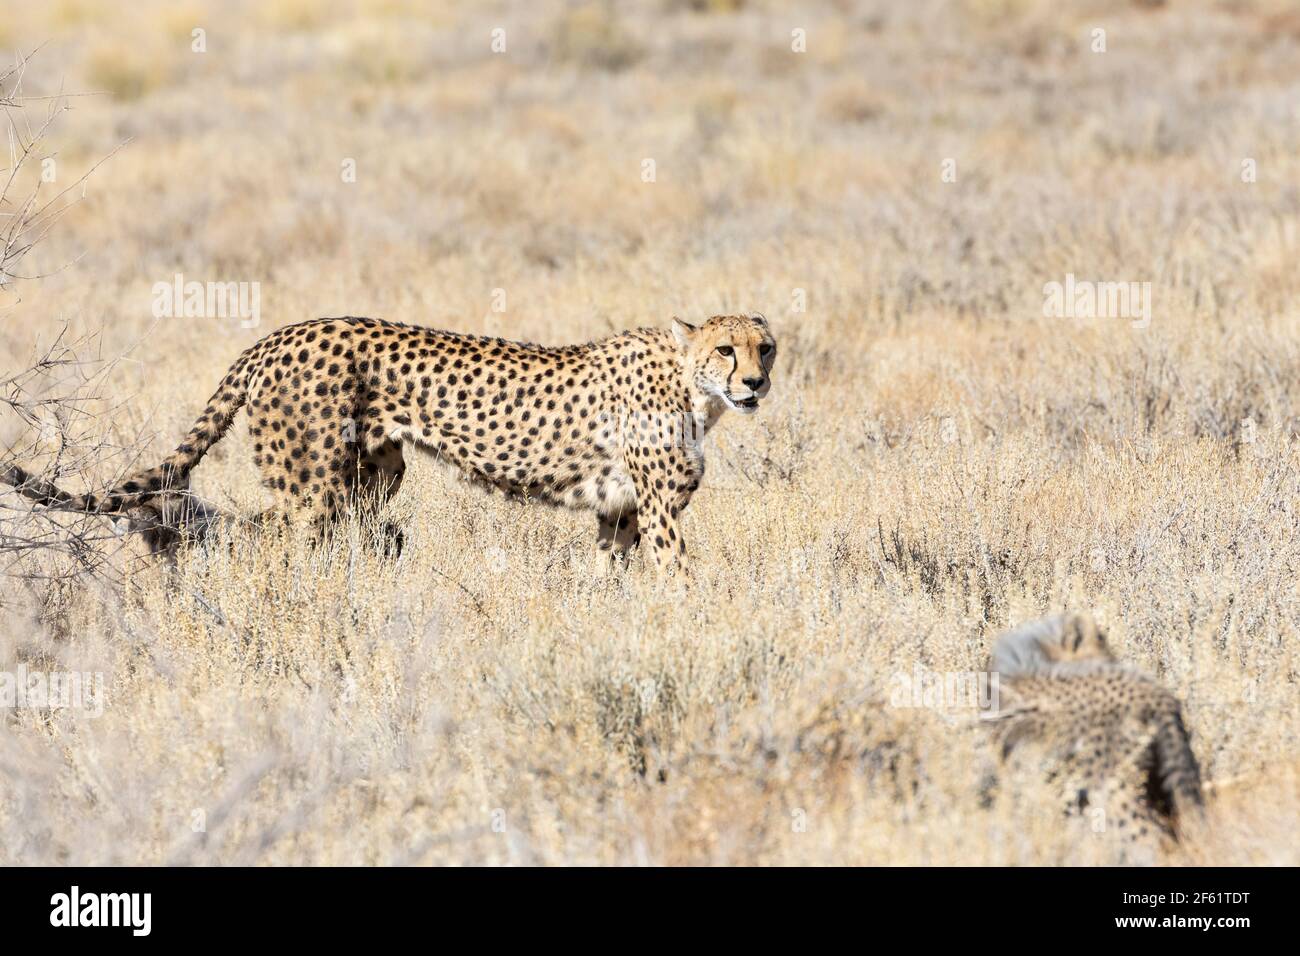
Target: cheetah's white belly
{"type": "Point", "coordinates": [608, 494]}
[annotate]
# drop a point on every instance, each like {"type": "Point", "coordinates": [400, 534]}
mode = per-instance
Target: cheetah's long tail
{"type": "Point", "coordinates": [39, 490]}
{"type": "Point", "coordinates": [170, 477]}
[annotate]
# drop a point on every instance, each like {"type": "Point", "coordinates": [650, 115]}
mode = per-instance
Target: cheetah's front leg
{"type": "Point", "coordinates": [658, 508]}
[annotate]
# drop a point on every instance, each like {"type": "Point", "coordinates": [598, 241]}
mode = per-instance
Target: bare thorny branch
{"type": "Point", "coordinates": [27, 215]}
{"type": "Point", "coordinates": [51, 409]}
{"type": "Point", "coordinates": [51, 413]}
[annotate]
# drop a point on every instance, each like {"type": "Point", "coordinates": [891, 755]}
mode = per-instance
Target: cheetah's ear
{"type": "Point", "coordinates": [760, 318]}
{"type": "Point", "coordinates": [683, 331]}
{"type": "Point", "coordinates": [1084, 639]}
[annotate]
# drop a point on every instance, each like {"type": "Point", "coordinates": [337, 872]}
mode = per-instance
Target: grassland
{"type": "Point", "coordinates": [938, 458]}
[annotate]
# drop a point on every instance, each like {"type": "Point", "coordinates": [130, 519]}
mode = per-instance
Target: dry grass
{"type": "Point", "coordinates": [938, 459]}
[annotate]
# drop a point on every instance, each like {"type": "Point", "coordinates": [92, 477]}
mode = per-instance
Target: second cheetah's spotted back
{"type": "Point", "coordinates": [1109, 735]}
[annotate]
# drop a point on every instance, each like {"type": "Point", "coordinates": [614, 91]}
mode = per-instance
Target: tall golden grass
{"type": "Point", "coordinates": [938, 459]}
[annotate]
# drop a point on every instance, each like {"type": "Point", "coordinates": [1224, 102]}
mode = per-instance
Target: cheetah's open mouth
{"type": "Point", "coordinates": [746, 405]}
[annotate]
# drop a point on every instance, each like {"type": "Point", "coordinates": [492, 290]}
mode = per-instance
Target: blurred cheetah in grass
{"type": "Point", "coordinates": [1110, 736]}
{"type": "Point", "coordinates": [612, 426]}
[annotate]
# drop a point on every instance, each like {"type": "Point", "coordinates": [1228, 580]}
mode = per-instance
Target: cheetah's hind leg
{"type": "Point", "coordinates": [616, 538]}
{"type": "Point", "coordinates": [378, 477]}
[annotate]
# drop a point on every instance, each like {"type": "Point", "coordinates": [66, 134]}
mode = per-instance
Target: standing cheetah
{"type": "Point", "coordinates": [612, 426]}
{"type": "Point", "coordinates": [1109, 735]}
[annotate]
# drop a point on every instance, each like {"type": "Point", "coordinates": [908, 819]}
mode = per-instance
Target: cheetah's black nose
{"type": "Point", "coordinates": [755, 384]}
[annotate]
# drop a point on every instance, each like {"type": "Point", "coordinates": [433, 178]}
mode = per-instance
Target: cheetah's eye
{"type": "Point", "coordinates": [765, 349]}
{"type": "Point", "coordinates": [725, 350]}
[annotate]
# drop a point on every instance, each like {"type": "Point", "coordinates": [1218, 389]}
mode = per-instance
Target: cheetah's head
{"type": "Point", "coordinates": [730, 357]}
{"type": "Point", "coordinates": [1059, 644]}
